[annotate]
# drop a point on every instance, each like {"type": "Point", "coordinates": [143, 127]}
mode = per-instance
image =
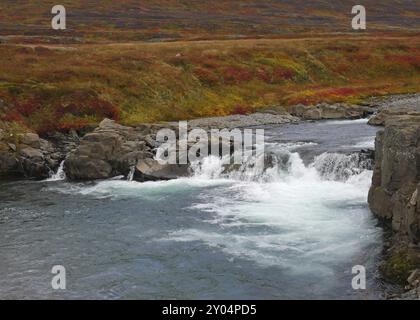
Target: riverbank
{"type": "Point", "coordinates": [113, 149]}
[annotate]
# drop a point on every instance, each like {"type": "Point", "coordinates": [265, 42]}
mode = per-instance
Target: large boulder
{"type": "Point", "coordinates": [110, 150]}
{"type": "Point", "coordinates": [333, 112]}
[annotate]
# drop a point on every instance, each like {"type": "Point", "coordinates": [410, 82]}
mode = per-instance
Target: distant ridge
{"type": "Point", "coordinates": [163, 20]}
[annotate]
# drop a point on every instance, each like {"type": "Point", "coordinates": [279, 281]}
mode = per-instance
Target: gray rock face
{"type": "Point", "coordinates": [395, 190]}
{"type": "Point", "coordinates": [33, 157]}
{"type": "Point", "coordinates": [9, 164]}
{"type": "Point", "coordinates": [110, 150]}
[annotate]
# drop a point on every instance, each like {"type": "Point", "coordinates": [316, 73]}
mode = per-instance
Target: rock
{"type": "Point", "coordinates": [333, 112]}
{"type": "Point", "coordinates": [330, 111]}
{"type": "Point", "coordinates": [9, 165]}
{"type": "Point", "coordinates": [151, 142]}
{"type": "Point", "coordinates": [394, 194]}
{"type": "Point", "coordinates": [25, 154]}
{"type": "Point", "coordinates": [297, 110]}
{"type": "Point", "coordinates": [32, 140]}
{"type": "Point", "coordinates": [414, 278]}
{"type": "Point", "coordinates": [152, 170]}
{"type": "Point", "coordinates": [312, 114]}
{"type": "Point", "coordinates": [85, 168]}
{"type": "Point", "coordinates": [31, 153]}
{"type": "Point", "coordinates": [240, 121]}
{"type": "Point", "coordinates": [379, 118]}
{"type": "Point", "coordinates": [110, 150]}
{"type": "Point", "coordinates": [12, 146]}
{"type": "Point", "coordinates": [34, 163]}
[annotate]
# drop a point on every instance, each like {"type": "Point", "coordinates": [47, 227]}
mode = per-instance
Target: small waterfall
{"type": "Point", "coordinates": [283, 164]}
{"type": "Point", "coordinates": [267, 167]}
{"type": "Point", "coordinates": [60, 175]}
{"type": "Point", "coordinates": [340, 167]}
{"type": "Point", "coordinates": [130, 175]}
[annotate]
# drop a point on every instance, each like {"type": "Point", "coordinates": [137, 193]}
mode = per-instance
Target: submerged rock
{"type": "Point", "coordinates": [152, 170]}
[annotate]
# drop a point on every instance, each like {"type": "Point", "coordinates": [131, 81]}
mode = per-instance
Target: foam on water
{"type": "Point", "coordinates": [307, 216]}
{"type": "Point", "coordinates": [341, 122]}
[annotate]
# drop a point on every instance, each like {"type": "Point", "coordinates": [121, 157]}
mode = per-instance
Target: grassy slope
{"type": "Point", "coordinates": [95, 70]}
{"type": "Point", "coordinates": [60, 87]}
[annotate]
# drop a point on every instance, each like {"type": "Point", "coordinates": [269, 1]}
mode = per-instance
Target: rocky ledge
{"type": "Point", "coordinates": [394, 196]}
{"type": "Point", "coordinates": [115, 150]}
{"type": "Point", "coordinates": [25, 154]}
{"type": "Point", "coordinates": [324, 111]}
{"type": "Point", "coordinates": [395, 190]}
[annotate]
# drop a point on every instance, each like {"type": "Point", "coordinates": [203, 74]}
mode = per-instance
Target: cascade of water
{"type": "Point", "coordinates": [130, 175]}
{"type": "Point", "coordinates": [340, 167]}
{"type": "Point", "coordinates": [283, 163]}
{"type": "Point", "coordinates": [59, 175]}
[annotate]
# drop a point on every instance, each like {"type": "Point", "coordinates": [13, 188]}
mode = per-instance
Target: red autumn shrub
{"type": "Point", "coordinates": [236, 75]}
{"type": "Point", "coordinates": [281, 74]}
{"type": "Point", "coordinates": [405, 59]}
{"type": "Point", "coordinates": [264, 75]}
{"type": "Point", "coordinates": [12, 117]}
{"type": "Point", "coordinates": [27, 108]}
{"type": "Point", "coordinates": [74, 124]}
{"type": "Point", "coordinates": [92, 107]}
{"type": "Point", "coordinates": [241, 109]}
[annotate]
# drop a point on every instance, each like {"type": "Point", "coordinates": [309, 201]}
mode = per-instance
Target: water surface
{"type": "Point", "coordinates": [294, 232]}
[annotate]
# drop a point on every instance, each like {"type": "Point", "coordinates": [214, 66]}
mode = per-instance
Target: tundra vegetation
{"type": "Point", "coordinates": [61, 87]}
{"type": "Point", "coordinates": [164, 60]}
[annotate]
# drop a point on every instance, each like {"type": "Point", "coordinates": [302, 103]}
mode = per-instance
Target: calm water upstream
{"type": "Point", "coordinates": [294, 232]}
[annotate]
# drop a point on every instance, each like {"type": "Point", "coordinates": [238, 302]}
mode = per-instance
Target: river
{"type": "Point", "coordinates": [294, 232]}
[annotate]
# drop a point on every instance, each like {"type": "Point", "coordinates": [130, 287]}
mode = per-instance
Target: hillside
{"type": "Point", "coordinates": [71, 86]}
